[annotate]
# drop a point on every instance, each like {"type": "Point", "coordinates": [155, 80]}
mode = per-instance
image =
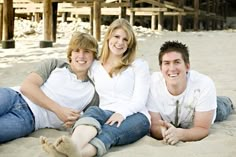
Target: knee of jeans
{"type": "Point", "coordinates": [88, 121]}
{"type": "Point", "coordinates": [100, 146]}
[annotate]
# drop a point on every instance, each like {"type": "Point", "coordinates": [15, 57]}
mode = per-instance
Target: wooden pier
{"type": "Point", "coordinates": [177, 15]}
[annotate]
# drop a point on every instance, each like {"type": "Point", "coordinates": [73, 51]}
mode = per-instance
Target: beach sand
{"type": "Point", "coordinates": [212, 53]}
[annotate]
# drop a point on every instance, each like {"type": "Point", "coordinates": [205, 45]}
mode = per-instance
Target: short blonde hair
{"type": "Point", "coordinates": [82, 41]}
{"type": "Point", "coordinates": [129, 55]}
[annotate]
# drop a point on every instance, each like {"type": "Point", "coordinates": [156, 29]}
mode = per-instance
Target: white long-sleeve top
{"type": "Point", "coordinates": [125, 93]}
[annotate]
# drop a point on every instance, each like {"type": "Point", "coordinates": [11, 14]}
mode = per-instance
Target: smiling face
{"type": "Point", "coordinates": [118, 42]}
{"type": "Point", "coordinates": [81, 60]}
{"type": "Point", "coordinates": [174, 70]}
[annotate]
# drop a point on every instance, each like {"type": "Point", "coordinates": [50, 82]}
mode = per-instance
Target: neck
{"type": "Point", "coordinates": [81, 76]}
{"type": "Point", "coordinates": [177, 89]}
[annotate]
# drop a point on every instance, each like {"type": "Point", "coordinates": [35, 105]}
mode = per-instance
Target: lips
{"type": "Point", "coordinates": [81, 61]}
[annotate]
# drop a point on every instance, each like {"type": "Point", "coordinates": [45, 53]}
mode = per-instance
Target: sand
{"type": "Point", "coordinates": [212, 53]}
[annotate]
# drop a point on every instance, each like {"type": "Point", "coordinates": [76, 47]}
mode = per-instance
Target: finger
{"type": "Point", "coordinates": [173, 142]}
{"type": "Point", "coordinates": [108, 121]}
{"type": "Point", "coordinates": [76, 111]}
{"type": "Point", "coordinates": [112, 122]}
{"type": "Point", "coordinates": [118, 123]}
{"type": "Point", "coordinates": [169, 140]}
{"type": "Point", "coordinates": [165, 140]}
{"type": "Point", "coordinates": [71, 118]}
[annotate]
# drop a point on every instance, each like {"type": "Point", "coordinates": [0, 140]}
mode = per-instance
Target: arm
{"type": "Point", "coordinates": [140, 91]}
{"type": "Point", "coordinates": [31, 89]}
{"type": "Point", "coordinates": [200, 129]}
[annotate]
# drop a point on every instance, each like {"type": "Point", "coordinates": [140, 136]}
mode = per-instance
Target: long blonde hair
{"type": "Point", "coordinates": [129, 55]}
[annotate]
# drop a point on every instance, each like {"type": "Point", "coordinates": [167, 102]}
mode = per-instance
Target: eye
{"type": "Point", "coordinates": [165, 63]}
{"type": "Point", "coordinates": [117, 36]}
{"type": "Point", "coordinates": [87, 51]}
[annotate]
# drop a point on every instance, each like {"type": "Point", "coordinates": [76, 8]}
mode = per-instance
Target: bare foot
{"type": "Point", "coordinates": [65, 145]}
{"type": "Point", "coordinates": [49, 148]}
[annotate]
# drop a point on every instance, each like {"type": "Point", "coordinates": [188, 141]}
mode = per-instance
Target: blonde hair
{"type": "Point", "coordinates": [129, 55]}
{"type": "Point", "coordinates": [82, 41]}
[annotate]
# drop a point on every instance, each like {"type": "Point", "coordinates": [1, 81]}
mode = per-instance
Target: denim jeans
{"type": "Point", "coordinates": [131, 129]}
{"type": "Point", "coordinates": [16, 119]}
{"type": "Point", "coordinates": [224, 108]}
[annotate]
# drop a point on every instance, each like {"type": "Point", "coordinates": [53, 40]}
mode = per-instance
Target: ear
{"type": "Point", "coordinates": [188, 67]}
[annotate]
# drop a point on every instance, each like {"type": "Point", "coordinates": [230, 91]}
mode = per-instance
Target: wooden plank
{"type": "Point", "coordinates": [147, 9]}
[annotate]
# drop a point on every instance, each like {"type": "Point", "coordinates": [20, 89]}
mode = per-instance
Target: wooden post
{"type": "Point", "coordinates": [132, 13]}
{"type": "Point", "coordinates": [97, 19]}
{"type": "Point", "coordinates": [64, 16]}
{"type": "Point", "coordinates": [36, 17]}
{"type": "Point", "coordinates": [217, 13]}
{"type": "Point", "coordinates": [91, 20]}
{"type": "Point", "coordinates": [1, 20]}
{"type": "Point", "coordinates": [54, 21]}
{"type": "Point", "coordinates": [207, 12]}
{"type": "Point", "coordinates": [160, 18]}
{"type": "Point", "coordinates": [8, 24]}
{"type": "Point", "coordinates": [180, 17]}
{"type": "Point", "coordinates": [122, 11]}
{"type": "Point", "coordinates": [153, 21]}
{"type": "Point", "coordinates": [196, 15]}
{"type": "Point", "coordinates": [47, 19]}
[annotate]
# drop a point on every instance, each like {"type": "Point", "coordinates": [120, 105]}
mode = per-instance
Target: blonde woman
{"type": "Point", "coordinates": [122, 83]}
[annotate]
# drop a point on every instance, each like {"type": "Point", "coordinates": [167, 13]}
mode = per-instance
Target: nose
{"type": "Point", "coordinates": [172, 66]}
{"type": "Point", "coordinates": [120, 41]}
{"type": "Point", "coordinates": [81, 54]}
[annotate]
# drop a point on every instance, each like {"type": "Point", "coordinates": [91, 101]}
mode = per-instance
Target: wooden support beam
{"type": "Point", "coordinates": [8, 24]}
{"type": "Point", "coordinates": [160, 18]}
{"type": "Point", "coordinates": [122, 10]}
{"type": "Point", "coordinates": [1, 20]}
{"type": "Point", "coordinates": [153, 20]}
{"type": "Point", "coordinates": [196, 15]}
{"type": "Point", "coordinates": [148, 9]}
{"type": "Point", "coordinates": [54, 21]}
{"type": "Point", "coordinates": [132, 13]}
{"type": "Point", "coordinates": [97, 19]}
{"type": "Point", "coordinates": [91, 20]}
{"type": "Point", "coordinates": [47, 25]}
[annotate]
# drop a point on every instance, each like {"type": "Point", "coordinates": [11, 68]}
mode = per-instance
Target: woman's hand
{"type": "Point", "coordinates": [115, 118]}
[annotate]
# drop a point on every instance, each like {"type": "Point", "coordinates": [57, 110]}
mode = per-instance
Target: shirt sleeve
{"type": "Point", "coordinates": [207, 100]}
{"type": "Point", "coordinates": [47, 66]}
{"type": "Point", "coordinates": [140, 93]}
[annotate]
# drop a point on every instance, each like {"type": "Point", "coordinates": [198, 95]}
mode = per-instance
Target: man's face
{"type": "Point", "coordinates": [174, 69]}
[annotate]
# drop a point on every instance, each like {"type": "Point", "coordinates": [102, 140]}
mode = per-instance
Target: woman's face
{"type": "Point", "coordinates": [118, 42]}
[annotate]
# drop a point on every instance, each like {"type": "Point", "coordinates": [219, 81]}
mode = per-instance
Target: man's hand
{"type": "Point", "coordinates": [172, 135]}
{"type": "Point", "coordinates": [67, 115]}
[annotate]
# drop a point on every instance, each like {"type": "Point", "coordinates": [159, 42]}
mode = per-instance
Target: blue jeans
{"type": "Point", "coordinates": [224, 108]}
{"type": "Point", "coordinates": [16, 119]}
{"type": "Point", "coordinates": [131, 129]}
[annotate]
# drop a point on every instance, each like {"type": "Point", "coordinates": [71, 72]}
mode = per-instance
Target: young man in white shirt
{"type": "Point", "coordinates": [183, 102]}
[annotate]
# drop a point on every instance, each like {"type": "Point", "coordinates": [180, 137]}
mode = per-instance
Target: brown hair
{"type": "Point", "coordinates": [176, 46]}
{"type": "Point", "coordinates": [83, 41]}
